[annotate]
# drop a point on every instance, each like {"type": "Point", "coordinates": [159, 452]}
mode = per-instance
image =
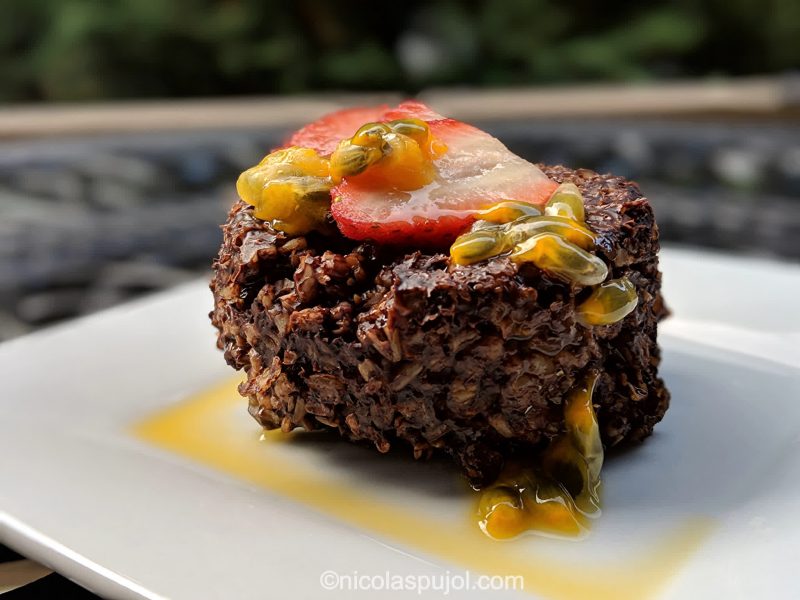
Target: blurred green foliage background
{"type": "Point", "coordinates": [99, 49]}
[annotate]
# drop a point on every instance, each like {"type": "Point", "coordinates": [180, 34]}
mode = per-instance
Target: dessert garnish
{"type": "Point", "coordinates": [407, 176]}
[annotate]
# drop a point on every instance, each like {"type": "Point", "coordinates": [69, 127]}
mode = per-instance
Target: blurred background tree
{"type": "Point", "coordinates": [101, 49]}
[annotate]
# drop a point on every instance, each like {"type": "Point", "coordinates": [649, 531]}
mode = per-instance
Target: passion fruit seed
{"type": "Point", "coordinates": [577, 457]}
{"type": "Point", "coordinates": [572, 231]}
{"type": "Point", "coordinates": [400, 151]}
{"type": "Point", "coordinates": [351, 159]}
{"type": "Point", "coordinates": [566, 201]}
{"type": "Point", "coordinates": [555, 510]}
{"type": "Point", "coordinates": [290, 188]}
{"type": "Point", "coordinates": [405, 165]}
{"type": "Point", "coordinates": [561, 258]}
{"type": "Point", "coordinates": [608, 303]}
{"type": "Point", "coordinates": [581, 424]}
{"type": "Point", "coordinates": [507, 211]}
{"type": "Point", "coordinates": [556, 242]}
{"type": "Point", "coordinates": [479, 245]}
{"type": "Point", "coordinates": [416, 129]}
{"type": "Point", "coordinates": [419, 131]}
{"type": "Point", "coordinates": [478, 225]}
{"type": "Point", "coordinates": [370, 134]}
{"type": "Point", "coordinates": [563, 463]}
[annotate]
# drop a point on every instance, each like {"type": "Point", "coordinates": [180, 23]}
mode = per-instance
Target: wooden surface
{"type": "Point", "coordinates": [753, 97]}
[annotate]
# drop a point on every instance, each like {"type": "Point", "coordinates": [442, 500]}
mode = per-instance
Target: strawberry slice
{"type": "Point", "coordinates": [477, 170]}
{"type": "Point", "coordinates": [324, 134]}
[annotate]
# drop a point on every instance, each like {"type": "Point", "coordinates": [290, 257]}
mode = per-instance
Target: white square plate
{"type": "Point", "coordinates": [128, 464]}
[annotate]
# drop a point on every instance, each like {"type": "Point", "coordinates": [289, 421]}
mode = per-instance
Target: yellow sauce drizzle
{"type": "Point", "coordinates": [211, 429]}
{"type": "Point", "coordinates": [558, 494]}
{"type": "Point", "coordinates": [567, 201]}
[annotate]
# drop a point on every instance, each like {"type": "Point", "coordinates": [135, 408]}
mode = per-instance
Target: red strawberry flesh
{"type": "Point", "coordinates": [476, 171]}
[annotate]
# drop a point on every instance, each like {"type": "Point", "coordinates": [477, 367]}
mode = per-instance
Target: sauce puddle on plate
{"type": "Point", "coordinates": [207, 428]}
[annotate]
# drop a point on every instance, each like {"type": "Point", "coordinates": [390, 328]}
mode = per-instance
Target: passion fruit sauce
{"type": "Point", "coordinates": [291, 187]}
{"type": "Point", "coordinates": [397, 155]}
{"type": "Point", "coordinates": [558, 493]}
{"type": "Point", "coordinates": [608, 303]}
{"type": "Point", "coordinates": [557, 242]}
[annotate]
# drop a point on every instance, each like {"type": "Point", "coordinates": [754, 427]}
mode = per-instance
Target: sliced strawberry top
{"type": "Point", "coordinates": [477, 170]}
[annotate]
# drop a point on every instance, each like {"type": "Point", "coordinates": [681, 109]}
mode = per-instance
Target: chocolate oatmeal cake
{"type": "Point", "coordinates": [405, 280]}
